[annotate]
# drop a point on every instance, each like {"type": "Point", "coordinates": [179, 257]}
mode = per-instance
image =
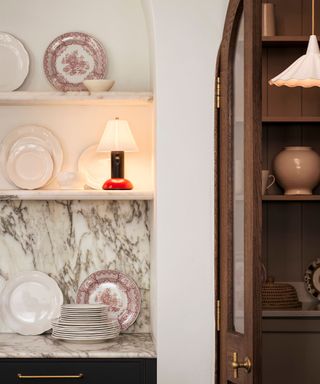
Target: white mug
{"type": "Point", "coordinates": [265, 177]}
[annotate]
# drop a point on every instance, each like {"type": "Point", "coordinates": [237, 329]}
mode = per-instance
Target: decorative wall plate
{"type": "Point", "coordinates": [94, 166]}
{"type": "Point", "coordinates": [115, 289]}
{"type": "Point", "coordinates": [14, 66]}
{"type": "Point", "coordinates": [29, 302]}
{"type": "Point", "coordinates": [72, 58]}
{"type": "Point", "coordinates": [36, 135]}
{"type": "Point", "coordinates": [312, 279]}
{"type": "Point", "coordinates": [29, 166]}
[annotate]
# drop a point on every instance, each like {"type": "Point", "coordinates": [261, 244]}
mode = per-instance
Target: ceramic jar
{"type": "Point", "coordinates": [297, 170]}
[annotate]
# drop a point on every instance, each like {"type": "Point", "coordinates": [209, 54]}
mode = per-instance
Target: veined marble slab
{"type": "Point", "coordinates": [71, 239]}
{"type": "Point", "coordinates": [129, 345]}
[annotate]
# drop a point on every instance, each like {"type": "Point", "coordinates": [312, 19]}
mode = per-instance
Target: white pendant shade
{"type": "Point", "coordinates": [305, 71]}
{"type": "Point", "coordinates": [117, 136]}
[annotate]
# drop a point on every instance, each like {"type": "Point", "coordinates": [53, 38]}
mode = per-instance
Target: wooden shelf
{"type": "Point", "coordinates": [75, 194]}
{"type": "Point", "coordinates": [291, 119]}
{"type": "Point", "coordinates": [291, 198]}
{"type": "Point", "coordinates": [75, 98]}
{"type": "Point", "coordinates": [271, 41]}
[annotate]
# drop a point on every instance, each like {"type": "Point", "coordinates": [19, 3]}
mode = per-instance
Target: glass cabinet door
{"type": "Point", "coordinates": [239, 191]}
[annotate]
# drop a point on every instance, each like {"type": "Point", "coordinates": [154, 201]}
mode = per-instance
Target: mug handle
{"type": "Point", "coordinates": [272, 181]}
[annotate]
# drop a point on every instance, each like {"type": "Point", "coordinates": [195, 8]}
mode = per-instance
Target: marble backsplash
{"type": "Point", "coordinates": [71, 239]}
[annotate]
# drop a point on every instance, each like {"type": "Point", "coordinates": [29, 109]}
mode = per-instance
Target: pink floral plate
{"type": "Point", "coordinates": [115, 289]}
{"type": "Point", "coordinates": [72, 58]}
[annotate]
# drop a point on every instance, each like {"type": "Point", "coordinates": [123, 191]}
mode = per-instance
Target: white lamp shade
{"type": "Point", "coordinates": [305, 71]}
{"type": "Point", "coordinates": [117, 136]}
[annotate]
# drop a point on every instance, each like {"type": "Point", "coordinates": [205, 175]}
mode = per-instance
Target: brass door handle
{"type": "Point", "coordinates": [22, 377]}
{"type": "Point", "coordinates": [247, 365]}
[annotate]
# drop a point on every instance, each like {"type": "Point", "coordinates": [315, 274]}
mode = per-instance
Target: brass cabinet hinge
{"type": "Point", "coordinates": [218, 92]}
{"type": "Point", "coordinates": [218, 315]}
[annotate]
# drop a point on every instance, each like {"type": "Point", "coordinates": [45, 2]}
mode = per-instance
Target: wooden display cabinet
{"type": "Point", "coordinates": [254, 122]}
{"type": "Point", "coordinates": [291, 234]}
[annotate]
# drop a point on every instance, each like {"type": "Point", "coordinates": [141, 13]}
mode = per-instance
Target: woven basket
{"type": "Point", "coordinates": [279, 296]}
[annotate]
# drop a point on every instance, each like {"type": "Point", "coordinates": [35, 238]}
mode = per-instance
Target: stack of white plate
{"type": "Point", "coordinates": [84, 323]}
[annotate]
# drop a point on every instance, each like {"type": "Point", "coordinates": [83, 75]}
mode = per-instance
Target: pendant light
{"type": "Point", "coordinates": [305, 71]}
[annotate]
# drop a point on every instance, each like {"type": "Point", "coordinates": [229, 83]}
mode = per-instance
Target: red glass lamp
{"type": "Point", "coordinates": [117, 138]}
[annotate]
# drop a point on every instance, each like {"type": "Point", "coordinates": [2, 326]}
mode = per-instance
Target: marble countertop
{"type": "Point", "coordinates": [44, 346]}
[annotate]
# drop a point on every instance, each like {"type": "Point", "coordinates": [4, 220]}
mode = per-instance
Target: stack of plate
{"type": "Point", "coordinates": [84, 323]}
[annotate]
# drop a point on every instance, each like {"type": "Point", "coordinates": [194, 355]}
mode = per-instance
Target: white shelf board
{"type": "Point", "coordinates": [75, 98]}
{"type": "Point", "coordinates": [75, 194]}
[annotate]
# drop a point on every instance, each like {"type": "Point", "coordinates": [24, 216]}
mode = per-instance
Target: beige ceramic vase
{"type": "Point", "coordinates": [297, 170]}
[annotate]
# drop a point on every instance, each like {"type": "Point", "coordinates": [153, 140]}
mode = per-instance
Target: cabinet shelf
{"type": "Point", "coordinates": [75, 194]}
{"type": "Point", "coordinates": [291, 198]}
{"type": "Point", "coordinates": [285, 40]}
{"type": "Point", "coordinates": [74, 98]}
{"type": "Point", "coordinates": [291, 119]}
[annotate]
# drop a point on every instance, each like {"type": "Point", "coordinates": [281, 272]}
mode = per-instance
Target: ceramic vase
{"type": "Point", "coordinates": [297, 170]}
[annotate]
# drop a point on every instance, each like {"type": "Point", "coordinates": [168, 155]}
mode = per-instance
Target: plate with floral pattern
{"type": "Point", "coordinates": [312, 279]}
{"type": "Point", "coordinates": [72, 58]}
{"type": "Point", "coordinates": [115, 289]}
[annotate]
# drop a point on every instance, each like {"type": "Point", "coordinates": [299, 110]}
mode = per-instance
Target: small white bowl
{"type": "Point", "coordinates": [98, 85]}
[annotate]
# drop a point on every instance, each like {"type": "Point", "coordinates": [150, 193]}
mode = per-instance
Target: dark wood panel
{"type": "Point", "coordinates": [306, 17]}
{"type": "Point", "coordinates": [292, 119]}
{"type": "Point", "coordinates": [282, 100]}
{"type": "Point", "coordinates": [285, 40]}
{"type": "Point", "coordinates": [284, 241]}
{"type": "Point", "coordinates": [288, 17]}
{"type": "Point", "coordinates": [93, 371]}
{"type": "Point", "coordinates": [310, 234]}
{"type": "Point", "coordinates": [310, 102]}
{"type": "Point", "coordinates": [291, 358]}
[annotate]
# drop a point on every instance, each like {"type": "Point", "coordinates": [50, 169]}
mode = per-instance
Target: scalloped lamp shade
{"type": "Point", "coordinates": [117, 136]}
{"type": "Point", "coordinates": [304, 72]}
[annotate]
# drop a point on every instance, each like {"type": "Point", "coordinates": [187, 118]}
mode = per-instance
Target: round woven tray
{"type": "Point", "coordinates": [279, 296]}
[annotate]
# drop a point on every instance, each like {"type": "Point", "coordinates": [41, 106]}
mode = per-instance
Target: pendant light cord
{"type": "Point", "coordinates": [313, 17]}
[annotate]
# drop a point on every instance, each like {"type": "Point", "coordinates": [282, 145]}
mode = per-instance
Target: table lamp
{"type": "Point", "coordinates": [117, 138]}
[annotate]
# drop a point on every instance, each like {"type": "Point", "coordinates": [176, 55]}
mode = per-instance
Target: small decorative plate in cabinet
{"type": "Point", "coordinates": [312, 279]}
{"type": "Point", "coordinates": [115, 289]}
{"type": "Point", "coordinates": [72, 58]}
{"type": "Point", "coordinates": [14, 63]}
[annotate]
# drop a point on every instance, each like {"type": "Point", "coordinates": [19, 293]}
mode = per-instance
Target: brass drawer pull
{"type": "Point", "coordinates": [21, 377]}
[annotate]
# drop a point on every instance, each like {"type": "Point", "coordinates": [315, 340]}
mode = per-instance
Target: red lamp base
{"type": "Point", "coordinates": [114, 184]}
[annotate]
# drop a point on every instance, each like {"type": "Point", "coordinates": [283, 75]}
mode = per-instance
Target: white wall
{"type": "Point", "coordinates": [118, 24]}
{"type": "Point", "coordinates": [186, 38]}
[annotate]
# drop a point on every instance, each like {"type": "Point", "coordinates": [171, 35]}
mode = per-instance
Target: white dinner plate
{"type": "Point", "coordinates": [81, 341]}
{"type": "Point", "coordinates": [29, 302]}
{"type": "Point", "coordinates": [82, 323]}
{"type": "Point", "coordinates": [14, 66]}
{"type": "Point", "coordinates": [82, 307]}
{"type": "Point", "coordinates": [29, 166]}
{"type": "Point", "coordinates": [31, 134]}
{"type": "Point", "coordinates": [94, 166]}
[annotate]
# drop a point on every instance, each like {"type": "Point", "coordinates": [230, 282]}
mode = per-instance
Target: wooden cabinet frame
{"type": "Point", "coordinates": [249, 343]}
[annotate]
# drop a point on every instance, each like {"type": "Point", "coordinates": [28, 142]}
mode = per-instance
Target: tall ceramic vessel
{"type": "Point", "coordinates": [297, 170]}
